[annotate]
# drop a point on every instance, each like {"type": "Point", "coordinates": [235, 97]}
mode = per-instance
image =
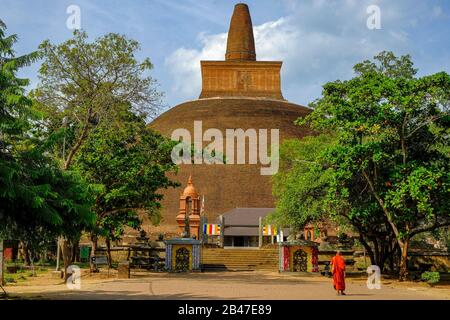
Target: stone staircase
{"type": "Point", "coordinates": [243, 259]}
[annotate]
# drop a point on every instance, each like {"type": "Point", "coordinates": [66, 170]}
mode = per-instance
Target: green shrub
{"type": "Point", "coordinates": [430, 277]}
{"type": "Point", "coordinates": [360, 264]}
{"type": "Point", "coordinates": [9, 280]}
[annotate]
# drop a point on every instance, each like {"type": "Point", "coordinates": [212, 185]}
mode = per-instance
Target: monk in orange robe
{"type": "Point", "coordinates": [338, 270]}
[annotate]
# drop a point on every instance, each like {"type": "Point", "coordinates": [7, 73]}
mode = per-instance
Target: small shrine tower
{"type": "Point", "coordinates": [189, 210]}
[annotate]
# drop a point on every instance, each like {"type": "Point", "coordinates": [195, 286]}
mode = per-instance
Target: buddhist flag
{"type": "Point", "coordinates": [270, 230]}
{"type": "Point", "coordinates": [211, 229]}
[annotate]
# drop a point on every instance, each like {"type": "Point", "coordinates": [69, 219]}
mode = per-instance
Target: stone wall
{"type": "Point", "coordinates": [440, 263]}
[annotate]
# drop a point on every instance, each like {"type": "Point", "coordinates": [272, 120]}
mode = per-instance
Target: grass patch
{"type": "Point", "coordinates": [9, 279]}
{"type": "Point", "coordinates": [431, 278]}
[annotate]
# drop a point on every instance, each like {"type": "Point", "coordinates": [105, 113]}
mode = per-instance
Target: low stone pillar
{"type": "Point", "coordinates": [123, 270]}
{"type": "Point", "coordinates": [57, 274]}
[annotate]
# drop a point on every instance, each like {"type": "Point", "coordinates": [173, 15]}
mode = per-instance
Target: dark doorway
{"type": "Point", "coordinates": [238, 241]}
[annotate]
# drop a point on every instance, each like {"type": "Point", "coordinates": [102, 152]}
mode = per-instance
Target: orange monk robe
{"type": "Point", "coordinates": [338, 264]}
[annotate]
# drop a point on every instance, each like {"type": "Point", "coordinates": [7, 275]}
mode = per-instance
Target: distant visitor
{"type": "Point", "coordinates": [338, 270]}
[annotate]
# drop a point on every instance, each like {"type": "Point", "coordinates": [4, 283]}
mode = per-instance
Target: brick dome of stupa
{"type": "Point", "coordinates": [238, 92]}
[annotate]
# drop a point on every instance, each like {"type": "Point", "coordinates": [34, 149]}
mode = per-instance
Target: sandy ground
{"type": "Point", "coordinates": [218, 285]}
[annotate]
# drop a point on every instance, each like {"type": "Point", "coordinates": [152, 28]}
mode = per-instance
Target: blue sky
{"type": "Point", "coordinates": [317, 40]}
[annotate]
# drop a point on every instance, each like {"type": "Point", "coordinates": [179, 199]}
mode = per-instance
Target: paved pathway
{"type": "Point", "coordinates": [224, 285]}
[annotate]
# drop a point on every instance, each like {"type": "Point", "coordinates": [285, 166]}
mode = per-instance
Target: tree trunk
{"type": "Point", "coordinates": [79, 142]}
{"type": "Point", "coordinates": [377, 251]}
{"type": "Point", "coordinates": [66, 251]}
{"type": "Point", "coordinates": [94, 240]}
{"type": "Point", "coordinates": [26, 254]}
{"type": "Point", "coordinates": [1, 265]}
{"type": "Point", "coordinates": [397, 256]}
{"type": "Point", "coordinates": [108, 251]}
{"type": "Point", "coordinates": [75, 251]}
{"type": "Point", "coordinates": [385, 253]}
{"type": "Point", "coordinates": [390, 252]}
{"type": "Point", "coordinates": [43, 257]}
{"type": "Point", "coordinates": [368, 248]}
{"type": "Point", "coordinates": [403, 274]}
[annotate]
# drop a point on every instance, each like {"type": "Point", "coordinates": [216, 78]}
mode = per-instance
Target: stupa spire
{"type": "Point", "coordinates": [240, 75]}
{"type": "Point", "coordinates": [241, 43]}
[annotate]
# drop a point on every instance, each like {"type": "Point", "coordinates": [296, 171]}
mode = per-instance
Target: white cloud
{"type": "Point", "coordinates": [274, 40]}
{"type": "Point", "coordinates": [437, 11]}
{"type": "Point", "coordinates": [184, 64]}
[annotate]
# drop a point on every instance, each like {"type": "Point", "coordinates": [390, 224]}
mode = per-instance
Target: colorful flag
{"type": "Point", "coordinates": [211, 229]}
{"type": "Point", "coordinates": [270, 230]}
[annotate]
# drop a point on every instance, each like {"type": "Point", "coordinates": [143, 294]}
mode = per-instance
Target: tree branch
{"type": "Point", "coordinates": [430, 228]}
{"type": "Point", "coordinates": [430, 120]}
{"type": "Point", "coordinates": [383, 207]}
{"type": "Point", "coordinates": [79, 141]}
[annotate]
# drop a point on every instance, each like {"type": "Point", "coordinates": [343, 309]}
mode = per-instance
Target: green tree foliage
{"type": "Point", "coordinates": [82, 82]}
{"type": "Point", "coordinates": [129, 161]}
{"type": "Point", "coordinates": [390, 164]}
{"type": "Point", "coordinates": [304, 189]}
{"type": "Point", "coordinates": [37, 199]}
{"type": "Point", "coordinates": [300, 185]}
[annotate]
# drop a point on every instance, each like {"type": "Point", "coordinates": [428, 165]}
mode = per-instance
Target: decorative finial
{"type": "Point", "coordinates": [240, 42]}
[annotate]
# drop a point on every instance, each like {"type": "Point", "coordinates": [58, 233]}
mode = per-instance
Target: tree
{"type": "Point", "coordinates": [390, 158]}
{"type": "Point", "coordinates": [37, 198]}
{"type": "Point", "coordinates": [129, 161]}
{"type": "Point", "coordinates": [300, 186]}
{"type": "Point", "coordinates": [81, 85]}
{"type": "Point", "coordinates": [303, 189]}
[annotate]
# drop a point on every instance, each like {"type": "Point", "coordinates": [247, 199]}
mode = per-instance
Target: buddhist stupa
{"type": "Point", "coordinates": [239, 92]}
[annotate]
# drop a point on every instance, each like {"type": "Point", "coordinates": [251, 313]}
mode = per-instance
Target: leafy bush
{"type": "Point", "coordinates": [430, 277]}
{"type": "Point", "coordinates": [9, 280]}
